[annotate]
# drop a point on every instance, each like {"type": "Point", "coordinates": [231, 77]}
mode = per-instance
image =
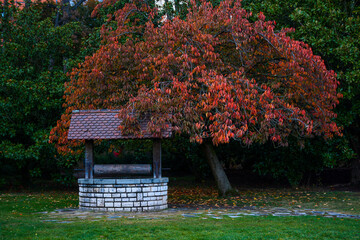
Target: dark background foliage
{"type": "Point", "coordinates": [37, 51]}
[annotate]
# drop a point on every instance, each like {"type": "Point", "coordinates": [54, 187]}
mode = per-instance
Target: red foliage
{"type": "Point", "coordinates": [216, 75]}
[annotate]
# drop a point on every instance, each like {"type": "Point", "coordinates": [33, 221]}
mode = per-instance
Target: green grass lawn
{"type": "Point", "coordinates": [20, 219]}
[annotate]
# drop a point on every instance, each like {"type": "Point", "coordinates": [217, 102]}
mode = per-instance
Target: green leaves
{"type": "Point", "coordinates": [34, 58]}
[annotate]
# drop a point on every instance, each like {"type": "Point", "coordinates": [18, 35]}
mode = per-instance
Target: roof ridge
{"type": "Point", "coordinates": [96, 111]}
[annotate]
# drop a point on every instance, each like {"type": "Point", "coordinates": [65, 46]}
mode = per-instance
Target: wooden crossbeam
{"type": "Point", "coordinates": [118, 169]}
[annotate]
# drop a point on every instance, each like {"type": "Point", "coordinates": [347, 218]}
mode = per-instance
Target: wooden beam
{"type": "Point", "coordinates": [117, 169]}
{"type": "Point", "coordinates": [89, 158]}
{"type": "Point", "coordinates": [157, 158]}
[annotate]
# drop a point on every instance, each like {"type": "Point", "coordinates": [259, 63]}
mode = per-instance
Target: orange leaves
{"type": "Point", "coordinates": [276, 138]}
{"type": "Point", "coordinates": [261, 16]}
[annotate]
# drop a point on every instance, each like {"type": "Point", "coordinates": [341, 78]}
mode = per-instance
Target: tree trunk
{"type": "Point", "coordinates": [66, 11]}
{"type": "Point", "coordinates": [27, 3]}
{"type": "Point", "coordinates": [355, 172]}
{"type": "Point", "coordinates": [218, 172]}
{"type": "Point", "coordinates": [4, 23]}
{"type": "Point", "coordinates": [354, 139]}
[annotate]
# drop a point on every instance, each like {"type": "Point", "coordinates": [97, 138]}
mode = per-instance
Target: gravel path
{"type": "Point", "coordinates": [69, 215]}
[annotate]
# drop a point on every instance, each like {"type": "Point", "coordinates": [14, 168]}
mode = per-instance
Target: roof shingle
{"type": "Point", "coordinates": [102, 124]}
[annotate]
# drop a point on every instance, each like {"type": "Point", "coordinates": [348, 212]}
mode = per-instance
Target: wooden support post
{"type": "Point", "coordinates": [157, 158]}
{"type": "Point", "coordinates": [89, 158]}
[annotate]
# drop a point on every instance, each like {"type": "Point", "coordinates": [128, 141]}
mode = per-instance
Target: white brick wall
{"type": "Point", "coordinates": [131, 196]}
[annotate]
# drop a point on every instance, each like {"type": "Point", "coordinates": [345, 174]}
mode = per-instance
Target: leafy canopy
{"type": "Point", "coordinates": [215, 75]}
{"type": "Point", "coordinates": [31, 83]}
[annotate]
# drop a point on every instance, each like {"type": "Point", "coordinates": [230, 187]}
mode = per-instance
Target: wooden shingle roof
{"type": "Point", "coordinates": [102, 124]}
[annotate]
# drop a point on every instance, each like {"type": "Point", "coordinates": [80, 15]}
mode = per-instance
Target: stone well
{"type": "Point", "coordinates": [117, 194]}
{"type": "Point", "coordinates": [128, 195]}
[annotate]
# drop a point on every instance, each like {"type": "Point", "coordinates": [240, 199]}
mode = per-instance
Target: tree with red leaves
{"type": "Point", "coordinates": [216, 76]}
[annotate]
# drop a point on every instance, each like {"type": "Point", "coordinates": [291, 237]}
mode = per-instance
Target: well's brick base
{"type": "Point", "coordinates": [130, 195]}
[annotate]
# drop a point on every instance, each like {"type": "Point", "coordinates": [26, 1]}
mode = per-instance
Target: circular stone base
{"type": "Point", "coordinates": [127, 195]}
